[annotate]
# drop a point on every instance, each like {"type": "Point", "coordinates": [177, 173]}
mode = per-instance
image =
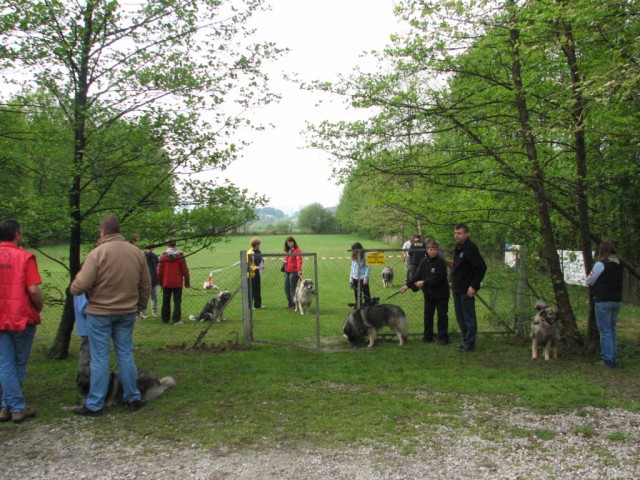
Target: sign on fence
{"type": "Point", "coordinates": [374, 259]}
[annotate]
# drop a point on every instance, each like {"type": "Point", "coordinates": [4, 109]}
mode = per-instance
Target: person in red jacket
{"type": "Point", "coordinates": [292, 265]}
{"type": "Point", "coordinates": [20, 307]}
{"type": "Point", "coordinates": [172, 275]}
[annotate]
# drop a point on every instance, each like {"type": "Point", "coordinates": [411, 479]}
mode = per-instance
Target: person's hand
{"type": "Point", "coordinates": [365, 282]}
{"type": "Point", "coordinates": [471, 292]}
{"type": "Point", "coordinates": [403, 289]}
{"type": "Point", "coordinates": [420, 283]}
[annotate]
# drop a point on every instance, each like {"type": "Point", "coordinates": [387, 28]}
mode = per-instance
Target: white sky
{"type": "Point", "coordinates": [325, 38]}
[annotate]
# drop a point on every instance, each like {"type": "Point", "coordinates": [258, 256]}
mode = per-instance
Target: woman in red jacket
{"type": "Point", "coordinates": [292, 269]}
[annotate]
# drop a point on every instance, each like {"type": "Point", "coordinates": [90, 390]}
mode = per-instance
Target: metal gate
{"type": "Point", "coordinates": [274, 323]}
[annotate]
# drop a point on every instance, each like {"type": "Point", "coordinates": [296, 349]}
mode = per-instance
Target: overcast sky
{"type": "Point", "coordinates": [325, 38]}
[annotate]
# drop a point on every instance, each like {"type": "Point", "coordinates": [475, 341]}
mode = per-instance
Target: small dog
{"type": "Point", "coordinates": [371, 317]}
{"type": "Point", "coordinates": [544, 331]}
{"type": "Point", "coordinates": [387, 277]}
{"type": "Point", "coordinates": [212, 311]}
{"type": "Point", "coordinates": [150, 386]}
{"type": "Point", "coordinates": [304, 295]}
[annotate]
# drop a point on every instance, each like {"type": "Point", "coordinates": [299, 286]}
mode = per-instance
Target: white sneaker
{"type": "Point", "coordinates": [143, 315]}
{"type": "Point", "coordinates": [154, 314]}
{"type": "Point", "coordinates": [178, 323]}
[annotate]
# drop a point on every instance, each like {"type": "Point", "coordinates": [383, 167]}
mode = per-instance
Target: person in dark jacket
{"type": "Point", "coordinates": [467, 271]}
{"type": "Point", "coordinates": [417, 252]}
{"type": "Point", "coordinates": [431, 277]}
{"type": "Point", "coordinates": [152, 263]}
{"type": "Point", "coordinates": [605, 281]}
{"type": "Point", "coordinates": [255, 264]}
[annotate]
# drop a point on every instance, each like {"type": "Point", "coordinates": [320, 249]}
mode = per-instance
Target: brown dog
{"type": "Point", "coordinates": [544, 331]}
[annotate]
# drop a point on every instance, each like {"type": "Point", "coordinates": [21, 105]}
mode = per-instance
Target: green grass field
{"type": "Point", "coordinates": [231, 395]}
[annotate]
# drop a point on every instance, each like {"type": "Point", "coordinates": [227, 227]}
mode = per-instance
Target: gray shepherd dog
{"type": "Point", "coordinates": [370, 318]}
{"type": "Point", "coordinates": [544, 331]}
{"type": "Point", "coordinates": [212, 311]}
{"type": "Point", "coordinates": [387, 277]}
{"type": "Point", "coordinates": [149, 384]}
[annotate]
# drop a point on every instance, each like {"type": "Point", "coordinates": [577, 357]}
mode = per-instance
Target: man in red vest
{"type": "Point", "coordinates": [20, 307]}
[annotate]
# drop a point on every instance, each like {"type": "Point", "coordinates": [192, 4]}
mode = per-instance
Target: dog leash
{"type": "Point", "coordinates": [391, 296]}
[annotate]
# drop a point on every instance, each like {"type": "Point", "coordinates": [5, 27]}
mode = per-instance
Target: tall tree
{"type": "Point", "coordinates": [183, 71]}
{"type": "Point", "coordinates": [500, 115]}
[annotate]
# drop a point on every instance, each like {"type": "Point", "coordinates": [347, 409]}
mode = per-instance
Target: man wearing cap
{"type": "Point", "coordinates": [172, 275]}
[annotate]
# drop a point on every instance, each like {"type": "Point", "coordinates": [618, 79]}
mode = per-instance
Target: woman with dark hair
{"type": "Point", "coordinates": [292, 269]}
{"type": "Point", "coordinates": [605, 281]}
{"type": "Point", "coordinates": [359, 277]}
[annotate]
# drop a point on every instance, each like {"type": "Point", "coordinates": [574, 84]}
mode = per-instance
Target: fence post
{"type": "Point", "coordinates": [246, 299]}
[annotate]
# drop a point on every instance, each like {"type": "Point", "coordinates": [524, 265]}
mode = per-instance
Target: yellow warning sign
{"type": "Point", "coordinates": [375, 259]}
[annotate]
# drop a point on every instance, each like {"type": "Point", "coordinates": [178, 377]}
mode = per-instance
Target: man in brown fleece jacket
{"type": "Point", "coordinates": [116, 279]}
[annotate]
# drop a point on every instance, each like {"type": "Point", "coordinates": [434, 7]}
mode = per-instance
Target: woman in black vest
{"type": "Point", "coordinates": [605, 281]}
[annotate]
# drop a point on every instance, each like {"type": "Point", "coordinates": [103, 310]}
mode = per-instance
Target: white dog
{"type": "Point", "coordinates": [304, 295]}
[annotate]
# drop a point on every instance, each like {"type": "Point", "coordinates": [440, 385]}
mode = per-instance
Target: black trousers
{"type": "Point", "coordinates": [167, 293]}
{"type": "Point", "coordinates": [365, 292]}
{"type": "Point", "coordinates": [256, 294]}
{"type": "Point", "coordinates": [430, 308]}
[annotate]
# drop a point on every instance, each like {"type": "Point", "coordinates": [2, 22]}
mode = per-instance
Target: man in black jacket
{"type": "Point", "coordinates": [467, 272]}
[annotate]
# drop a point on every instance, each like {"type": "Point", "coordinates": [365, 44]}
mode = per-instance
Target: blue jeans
{"type": "Point", "coordinates": [15, 349]}
{"type": "Point", "coordinates": [606, 318]}
{"type": "Point", "coordinates": [465, 307]}
{"type": "Point", "coordinates": [103, 329]}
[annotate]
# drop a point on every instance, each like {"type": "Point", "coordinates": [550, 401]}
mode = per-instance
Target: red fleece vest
{"type": "Point", "coordinates": [16, 310]}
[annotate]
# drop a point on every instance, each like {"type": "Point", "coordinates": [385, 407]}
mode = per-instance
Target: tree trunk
{"type": "Point", "coordinates": [577, 114]}
{"type": "Point", "coordinates": [536, 184]}
{"type": "Point", "coordinates": [60, 348]}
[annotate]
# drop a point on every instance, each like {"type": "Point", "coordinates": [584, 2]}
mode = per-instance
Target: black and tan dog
{"type": "Point", "coordinates": [371, 317]}
{"type": "Point", "coordinates": [150, 386]}
{"type": "Point", "coordinates": [544, 331]}
{"type": "Point", "coordinates": [212, 311]}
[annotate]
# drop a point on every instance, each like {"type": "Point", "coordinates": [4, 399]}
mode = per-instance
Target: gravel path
{"type": "Point", "coordinates": [518, 444]}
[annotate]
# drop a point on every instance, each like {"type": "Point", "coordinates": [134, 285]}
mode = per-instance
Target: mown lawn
{"type": "Point", "coordinates": [228, 394]}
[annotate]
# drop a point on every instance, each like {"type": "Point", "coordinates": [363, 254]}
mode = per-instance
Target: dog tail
{"type": "Point", "coordinates": [540, 305]}
{"type": "Point", "coordinates": [168, 382]}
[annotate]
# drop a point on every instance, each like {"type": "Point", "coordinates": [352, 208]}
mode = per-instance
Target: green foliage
{"type": "Point", "coordinates": [314, 218]}
{"type": "Point", "coordinates": [143, 101]}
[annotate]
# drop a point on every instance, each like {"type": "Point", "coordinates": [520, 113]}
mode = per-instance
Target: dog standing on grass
{"type": "Point", "coordinates": [371, 317]}
{"type": "Point", "coordinates": [387, 277]}
{"type": "Point", "coordinates": [544, 331]}
{"type": "Point", "coordinates": [303, 297]}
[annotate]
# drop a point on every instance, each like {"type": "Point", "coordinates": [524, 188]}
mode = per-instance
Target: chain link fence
{"type": "Point", "coordinates": [504, 303]}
